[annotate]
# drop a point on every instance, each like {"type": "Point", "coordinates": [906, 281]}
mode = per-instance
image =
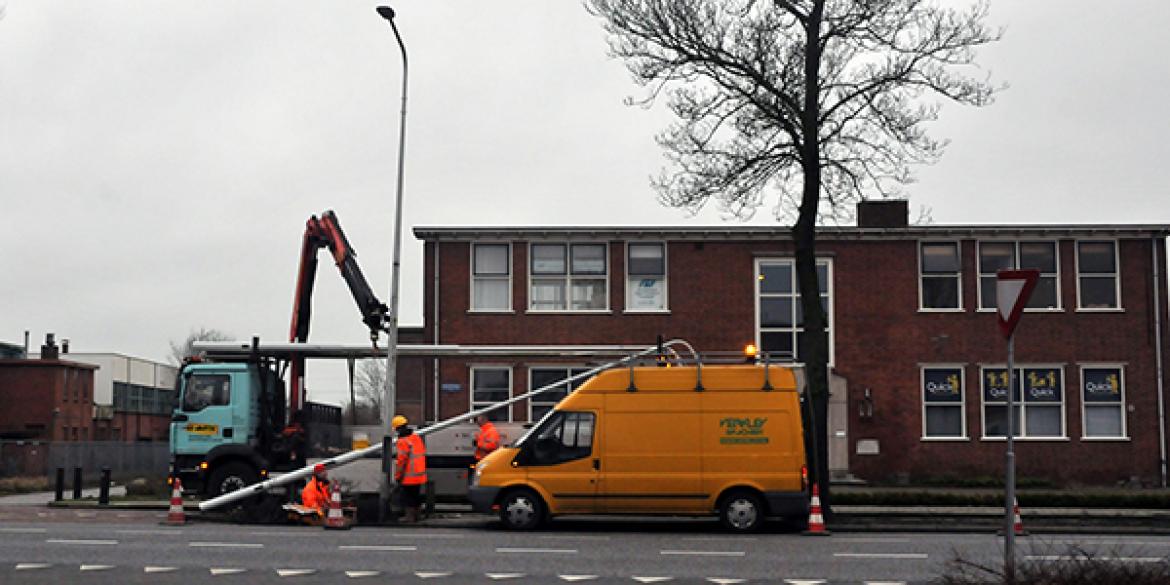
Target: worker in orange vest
{"type": "Point", "coordinates": [411, 470]}
{"type": "Point", "coordinates": [487, 439]}
{"type": "Point", "coordinates": [316, 493]}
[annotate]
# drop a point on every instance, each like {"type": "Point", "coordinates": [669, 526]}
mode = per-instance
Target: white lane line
{"type": "Point", "coordinates": [704, 553]}
{"type": "Point", "coordinates": [1050, 558]}
{"type": "Point", "coordinates": [96, 567]}
{"type": "Point", "coordinates": [805, 581]}
{"type": "Point", "coordinates": [574, 578]}
{"type": "Point", "coordinates": [31, 566]}
{"type": "Point", "coordinates": [295, 572]}
{"type": "Point", "coordinates": [24, 530]}
{"type": "Point", "coordinates": [502, 576]}
{"type": "Point", "coordinates": [881, 555]}
{"type": "Point", "coordinates": [383, 547]}
{"type": "Point", "coordinates": [435, 575]}
{"type": "Point", "coordinates": [885, 583]}
{"type": "Point", "coordinates": [225, 545]}
{"type": "Point", "coordinates": [217, 571]}
{"type": "Point", "coordinates": [652, 579]}
{"type": "Point", "coordinates": [725, 580]}
{"type": "Point", "coordinates": [159, 569]}
{"type": "Point", "coordinates": [552, 551]}
{"type": "Point", "coordinates": [80, 541]}
{"type": "Point", "coordinates": [362, 574]}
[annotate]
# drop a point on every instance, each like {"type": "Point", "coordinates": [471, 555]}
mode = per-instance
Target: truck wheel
{"type": "Point", "coordinates": [742, 511]}
{"type": "Point", "coordinates": [521, 510]}
{"type": "Point", "coordinates": [231, 477]}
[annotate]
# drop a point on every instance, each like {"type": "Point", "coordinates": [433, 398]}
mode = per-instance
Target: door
{"type": "Point", "coordinates": [205, 413]}
{"type": "Point", "coordinates": [561, 459]}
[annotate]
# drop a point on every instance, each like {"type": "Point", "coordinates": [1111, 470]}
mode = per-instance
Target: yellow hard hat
{"type": "Point", "coordinates": [398, 421]}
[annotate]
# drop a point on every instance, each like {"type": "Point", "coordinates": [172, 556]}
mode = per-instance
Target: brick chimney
{"type": "Point", "coordinates": [890, 213]}
{"type": "Point", "coordinates": [49, 349]}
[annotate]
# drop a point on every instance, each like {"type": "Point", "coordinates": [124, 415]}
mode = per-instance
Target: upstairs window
{"type": "Point", "coordinates": [646, 277]}
{"type": "Point", "coordinates": [1042, 256]}
{"type": "Point", "coordinates": [491, 283]}
{"type": "Point", "coordinates": [940, 275]}
{"type": "Point", "coordinates": [1097, 276]}
{"type": "Point", "coordinates": [780, 317]}
{"type": "Point", "coordinates": [490, 385]}
{"type": "Point", "coordinates": [569, 277]}
{"type": "Point", "coordinates": [539, 377]}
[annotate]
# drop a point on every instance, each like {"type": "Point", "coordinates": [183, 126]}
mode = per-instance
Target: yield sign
{"type": "Point", "coordinates": [1013, 288]}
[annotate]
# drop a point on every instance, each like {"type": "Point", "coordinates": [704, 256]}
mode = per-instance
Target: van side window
{"type": "Point", "coordinates": [566, 436]}
{"type": "Point", "coordinates": [205, 390]}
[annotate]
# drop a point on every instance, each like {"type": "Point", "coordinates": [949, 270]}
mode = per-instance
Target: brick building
{"type": "Point", "coordinates": [46, 400]}
{"type": "Point", "coordinates": [917, 364]}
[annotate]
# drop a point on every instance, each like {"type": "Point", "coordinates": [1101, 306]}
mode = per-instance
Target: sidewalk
{"type": "Point", "coordinates": [44, 498]}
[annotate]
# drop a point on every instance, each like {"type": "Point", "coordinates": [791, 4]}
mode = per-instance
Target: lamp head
{"type": "Point", "coordinates": [385, 12]}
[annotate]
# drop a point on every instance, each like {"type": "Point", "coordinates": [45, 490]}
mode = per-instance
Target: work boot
{"type": "Point", "coordinates": [410, 515]}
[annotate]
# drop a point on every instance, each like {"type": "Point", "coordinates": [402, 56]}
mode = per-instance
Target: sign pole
{"type": "Point", "coordinates": [1009, 533]}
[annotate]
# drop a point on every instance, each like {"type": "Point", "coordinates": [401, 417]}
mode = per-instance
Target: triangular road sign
{"type": "Point", "coordinates": [1013, 288]}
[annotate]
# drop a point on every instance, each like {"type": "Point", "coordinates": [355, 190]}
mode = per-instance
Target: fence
{"type": "Point", "coordinates": [35, 458]}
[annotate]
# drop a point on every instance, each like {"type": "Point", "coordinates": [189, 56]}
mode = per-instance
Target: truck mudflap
{"type": "Point", "coordinates": [787, 504]}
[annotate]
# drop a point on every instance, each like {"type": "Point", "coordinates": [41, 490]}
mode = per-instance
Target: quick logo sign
{"type": "Point", "coordinates": [202, 429]}
{"type": "Point", "coordinates": [743, 431]}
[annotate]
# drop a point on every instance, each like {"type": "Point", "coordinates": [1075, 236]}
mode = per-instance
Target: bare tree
{"type": "Point", "coordinates": [816, 103]}
{"type": "Point", "coordinates": [180, 351]}
{"type": "Point", "coordinates": [369, 385]}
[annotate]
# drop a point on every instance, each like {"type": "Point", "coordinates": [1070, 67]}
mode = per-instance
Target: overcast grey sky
{"type": "Point", "coordinates": [158, 159]}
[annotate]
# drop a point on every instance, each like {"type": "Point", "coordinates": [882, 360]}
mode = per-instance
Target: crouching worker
{"type": "Point", "coordinates": [316, 493]}
{"type": "Point", "coordinates": [411, 470]}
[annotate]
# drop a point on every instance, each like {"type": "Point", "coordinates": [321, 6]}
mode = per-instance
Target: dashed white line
{"type": "Point", "coordinates": [572, 537]}
{"type": "Point", "coordinates": [553, 551]}
{"type": "Point", "coordinates": [81, 541]}
{"type": "Point", "coordinates": [381, 547]}
{"type": "Point", "coordinates": [881, 555]}
{"type": "Point", "coordinates": [885, 583]}
{"type": "Point", "coordinates": [432, 575]}
{"type": "Point", "coordinates": [805, 581]}
{"type": "Point", "coordinates": [652, 579]}
{"type": "Point", "coordinates": [295, 572]}
{"type": "Point", "coordinates": [31, 566]}
{"type": "Point", "coordinates": [503, 576]}
{"type": "Point", "coordinates": [873, 540]}
{"type": "Point", "coordinates": [574, 578]}
{"type": "Point", "coordinates": [725, 580]}
{"type": "Point", "coordinates": [362, 574]}
{"type": "Point", "coordinates": [96, 567]}
{"type": "Point", "coordinates": [286, 534]}
{"type": "Point", "coordinates": [407, 536]}
{"type": "Point", "coordinates": [217, 571]}
{"type": "Point", "coordinates": [225, 545]}
{"type": "Point", "coordinates": [718, 538]}
{"type": "Point", "coordinates": [159, 569]}
{"type": "Point", "coordinates": [24, 530]}
{"type": "Point", "coordinates": [703, 553]}
{"type": "Point", "coordinates": [86, 514]}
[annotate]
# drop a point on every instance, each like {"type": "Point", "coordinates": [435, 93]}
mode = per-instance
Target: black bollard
{"type": "Point", "coordinates": [430, 501]}
{"type": "Point", "coordinates": [104, 493]}
{"type": "Point", "coordinates": [77, 483]}
{"type": "Point", "coordinates": [59, 493]}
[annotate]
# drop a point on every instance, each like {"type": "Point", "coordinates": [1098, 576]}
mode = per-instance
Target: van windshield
{"type": "Point", "coordinates": [536, 428]}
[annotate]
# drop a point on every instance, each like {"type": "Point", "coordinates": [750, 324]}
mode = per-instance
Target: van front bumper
{"type": "Point", "coordinates": [482, 498]}
{"type": "Point", "coordinates": [787, 504]}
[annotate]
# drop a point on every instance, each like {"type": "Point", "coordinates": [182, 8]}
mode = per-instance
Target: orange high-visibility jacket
{"type": "Point", "coordinates": [412, 460]}
{"type": "Point", "coordinates": [315, 494]}
{"type": "Point", "coordinates": [486, 440]}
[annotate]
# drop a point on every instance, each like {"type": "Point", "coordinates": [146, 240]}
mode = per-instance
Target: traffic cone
{"type": "Point", "coordinates": [335, 519]}
{"type": "Point", "coordinates": [175, 514]}
{"type": "Point", "coordinates": [1017, 522]}
{"type": "Point", "coordinates": [816, 522]}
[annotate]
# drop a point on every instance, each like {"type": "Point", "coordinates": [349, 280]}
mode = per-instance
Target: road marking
{"type": "Point", "coordinates": [409, 535]}
{"type": "Point", "coordinates": [704, 553]}
{"type": "Point", "coordinates": [432, 575]}
{"type": "Point", "coordinates": [805, 581]}
{"type": "Point", "coordinates": [882, 555]}
{"type": "Point", "coordinates": [1050, 558]}
{"type": "Point", "coordinates": [159, 569]}
{"type": "Point", "coordinates": [725, 580]}
{"type": "Point", "coordinates": [217, 571]}
{"type": "Point", "coordinates": [572, 578]}
{"type": "Point", "coordinates": [501, 576]}
{"type": "Point", "coordinates": [885, 583]}
{"type": "Point", "coordinates": [653, 579]}
{"type": "Point", "coordinates": [124, 515]}
{"type": "Point", "coordinates": [225, 545]}
{"type": "Point", "coordinates": [86, 514]}
{"type": "Point", "coordinates": [295, 572]}
{"type": "Point", "coordinates": [362, 574]}
{"type": "Point", "coordinates": [32, 566]}
{"type": "Point", "coordinates": [383, 547]}
{"type": "Point", "coordinates": [96, 567]}
{"type": "Point", "coordinates": [80, 541]}
{"type": "Point", "coordinates": [554, 551]}
{"type": "Point", "coordinates": [42, 514]}
{"type": "Point", "coordinates": [24, 530]}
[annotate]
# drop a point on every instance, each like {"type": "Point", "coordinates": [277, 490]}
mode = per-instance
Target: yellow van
{"type": "Point", "coordinates": [721, 439]}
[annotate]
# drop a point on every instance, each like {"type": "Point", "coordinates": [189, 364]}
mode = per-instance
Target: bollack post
{"type": "Point", "coordinates": [104, 492]}
{"type": "Point", "coordinates": [59, 491]}
{"type": "Point", "coordinates": [430, 506]}
{"type": "Point", "coordinates": [77, 483]}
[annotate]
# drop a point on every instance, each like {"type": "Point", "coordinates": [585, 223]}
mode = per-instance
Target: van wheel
{"type": "Point", "coordinates": [742, 511]}
{"type": "Point", "coordinates": [231, 477]}
{"type": "Point", "coordinates": [521, 510]}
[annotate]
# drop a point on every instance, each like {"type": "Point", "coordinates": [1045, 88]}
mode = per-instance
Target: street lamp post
{"type": "Point", "coordinates": [392, 343]}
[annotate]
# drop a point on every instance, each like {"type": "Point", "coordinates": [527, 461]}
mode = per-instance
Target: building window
{"type": "Point", "coordinates": [1097, 282]}
{"type": "Point", "coordinates": [1042, 256]}
{"type": "Point", "coordinates": [779, 318]}
{"type": "Point", "coordinates": [1039, 415]}
{"type": "Point", "coordinates": [539, 377]}
{"type": "Point", "coordinates": [646, 277]}
{"type": "Point", "coordinates": [491, 283]}
{"type": "Point", "coordinates": [1103, 394]}
{"type": "Point", "coordinates": [942, 403]}
{"type": "Point", "coordinates": [569, 277]}
{"type": "Point", "coordinates": [940, 275]}
{"type": "Point", "coordinates": [490, 385]}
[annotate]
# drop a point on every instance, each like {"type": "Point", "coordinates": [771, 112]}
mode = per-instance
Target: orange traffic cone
{"type": "Point", "coordinates": [816, 522]}
{"type": "Point", "coordinates": [1017, 522]}
{"type": "Point", "coordinates": [335, 519]}
{"type": "Point", "coordinates": [175, 515]}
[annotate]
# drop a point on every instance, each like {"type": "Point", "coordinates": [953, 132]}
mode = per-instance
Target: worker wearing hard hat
{"type": "Point", "coordinates": [486, 440]}
{"type": "Point", "coordinates": [316, 493]}
{"type": "Point", "coordinates": [411, 470]}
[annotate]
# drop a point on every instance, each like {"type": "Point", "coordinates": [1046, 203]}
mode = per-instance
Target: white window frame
{"type": "Point", "coordinates": [958, 277]}
{"type": "Point", "coordinates": [1022, 404]}
{"type": "Point", "coordinates": [567, 368]}
{"type": "Point", "coordinates": [665, 277]}
{"type": "Point", "coordinates": [961, 405]}
{"type": "Point", "coordinates": [1116, 275]}
{"type": "Point", "coordinates": [473, 404]}
{"type": "Point", "coordinates": [474, 279]}
{"type": "Point", "coordinates": [979, 274]}
{"type": "Point", "coordinates": [830, 328]}
{"type": "Point", "coordinates": [1085, 405]}
{"type": "Point", "coordinates": [568, 276]}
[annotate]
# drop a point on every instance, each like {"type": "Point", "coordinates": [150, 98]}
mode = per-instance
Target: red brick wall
{"type": "Point", "coordinates": [48, 395]}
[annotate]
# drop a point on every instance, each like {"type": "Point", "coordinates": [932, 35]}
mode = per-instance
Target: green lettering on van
{"type": "Point", "coordinates": [743, 440]}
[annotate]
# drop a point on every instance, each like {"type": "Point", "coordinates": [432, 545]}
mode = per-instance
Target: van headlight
{"type": "Point", "coordinates": [475, 475]}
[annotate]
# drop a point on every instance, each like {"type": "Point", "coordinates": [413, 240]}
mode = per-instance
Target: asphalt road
{"type": "Point", "coordinates": [123, 547]}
